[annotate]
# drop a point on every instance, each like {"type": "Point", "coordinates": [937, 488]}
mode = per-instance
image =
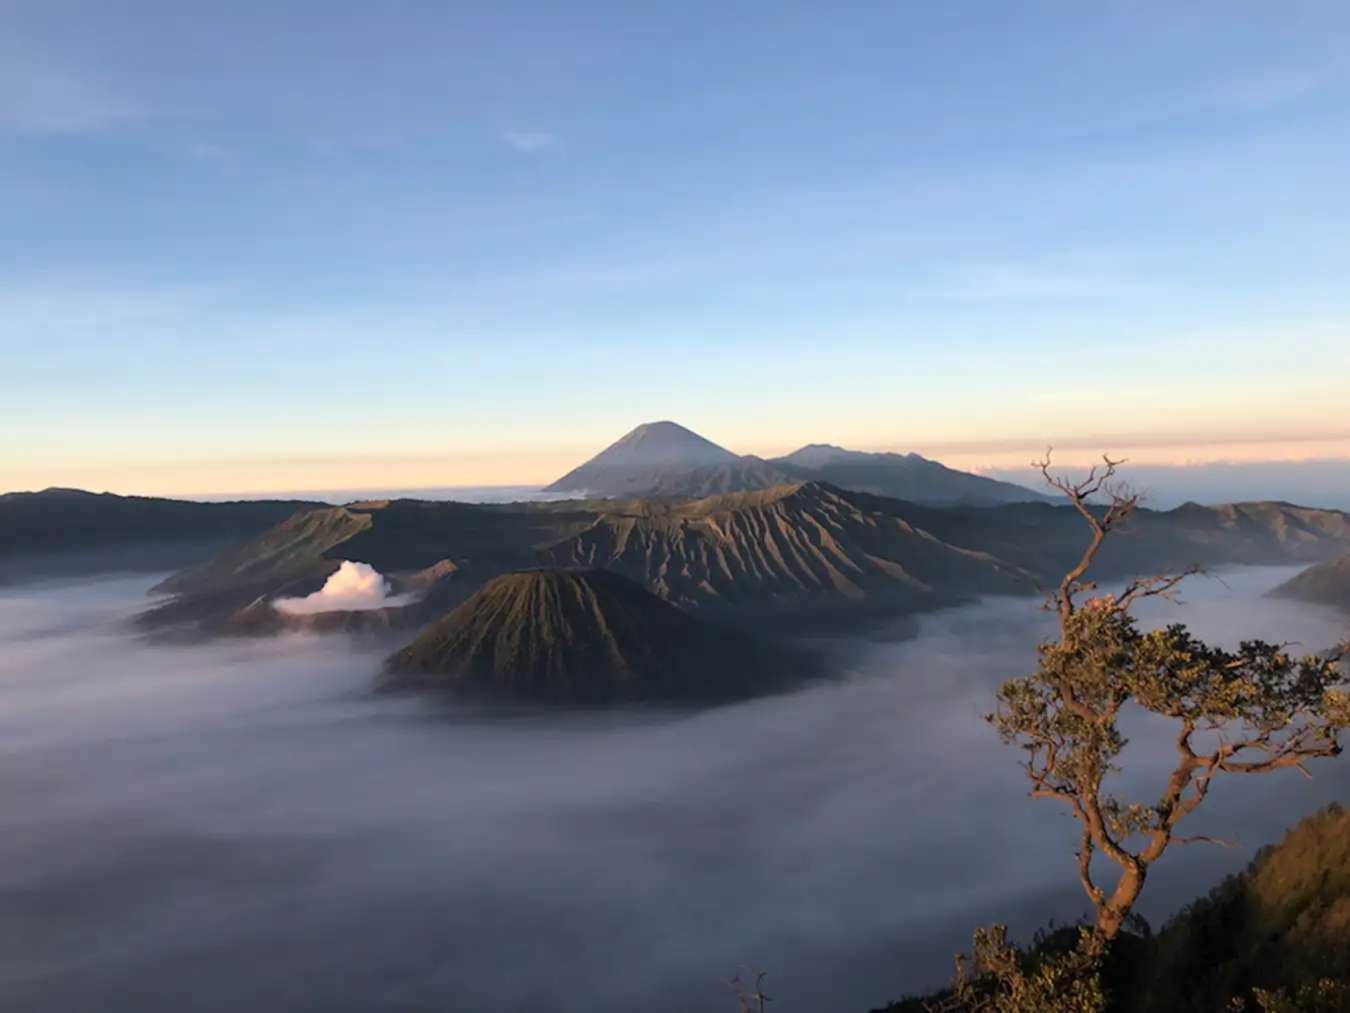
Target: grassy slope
{"type": "Point", "coordinates": [1282, 923]}
{"type": "Point", "coordinates": [1285, 921]}
{"type": "Point", "coordinates": [1323, 584]}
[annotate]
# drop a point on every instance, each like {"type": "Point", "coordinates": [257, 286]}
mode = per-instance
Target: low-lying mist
{"type": "Point", "coordinates": [244, 825]}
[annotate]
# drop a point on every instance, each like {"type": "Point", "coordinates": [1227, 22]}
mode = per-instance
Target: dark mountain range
{"type": "Point", "coordinates": [1322, 584]}
{"type": "Point", "coordinates": [823, 550]}
{"type": "Point", "coordinates": [816, 455]}
{"type": "Point", "coordinates": [1042, 538]}
{"type": "Point", "coordinates": [902, 476]}
{"type": "Point", "coordinates": [664, 460]}
{"type": "Point", "coordinates": [812, 551]}
{"type": "Point", "coordinates": [68, 529]}
{"type": "Point", "coordinates": [443, 550]}
{"type": "Point", "coordinates": [580, 637]}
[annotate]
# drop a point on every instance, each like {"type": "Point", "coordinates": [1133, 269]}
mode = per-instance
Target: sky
{"type": "Point", "coordinates": [253, 247]}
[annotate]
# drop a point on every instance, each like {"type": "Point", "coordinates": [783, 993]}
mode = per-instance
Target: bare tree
{"type": "Point", "coordinates": [750, 998]}
{"type": "Point", "coordinates": [1250, 711]}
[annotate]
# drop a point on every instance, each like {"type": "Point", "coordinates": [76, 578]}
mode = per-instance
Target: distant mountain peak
{"type": "Point", "coordinates": [816, 455]}
{"type": "Point", "coordinates": [64, 491]}
{"type": "Point", "coordinates": [661, 425]}
{"type": "Point", "coordinates": [666, 439]}
{"type": "Point", "coordinates": [630, 462]}
{"type": "Point", "coordinates": [902, 476]}
{"type": "Point", "coordinates": [665, 460]}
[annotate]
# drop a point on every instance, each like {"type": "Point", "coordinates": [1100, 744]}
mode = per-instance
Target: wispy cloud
{"type": "Point", "coordinates": [77, 307]}
{"type": "Point", "coordinates": [1017, 283]}
{"type": "Point", "coordinates": [1262, 92]}
{"type": "Point", "coordinates": [530, 142]}
{"type": "Point", "coordinates": [37, 98]}
{"type": "Point", "coordinates": [1070, 396]}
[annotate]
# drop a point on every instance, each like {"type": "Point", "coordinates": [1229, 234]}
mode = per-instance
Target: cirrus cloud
{"type": "Point", "coordinates": [530, 142]}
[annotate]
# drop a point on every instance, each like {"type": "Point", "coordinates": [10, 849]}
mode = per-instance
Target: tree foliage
{"type": "Point", "coordinates": [1271, 935]}
{"type": "Point", "coordinates": [1323, 996]}
{"type": "Point", "coordinates": [1001, 978]}
{"type": "Point", "coordinates": [1252, 710]}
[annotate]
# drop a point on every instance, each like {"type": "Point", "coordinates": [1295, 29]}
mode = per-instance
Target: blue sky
{"type": "Point", "coordinates": [320, 245]}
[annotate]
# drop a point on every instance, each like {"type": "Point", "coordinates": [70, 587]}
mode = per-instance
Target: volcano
{"type": "Point", "coordinates": [582, 637]}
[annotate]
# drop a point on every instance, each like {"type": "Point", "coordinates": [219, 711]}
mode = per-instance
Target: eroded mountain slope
{"type": "Point", "coordinates": [790, 543]}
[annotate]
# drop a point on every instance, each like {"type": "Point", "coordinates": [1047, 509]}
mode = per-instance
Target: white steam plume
{"type": "Point", "coordinates": [352, 587]}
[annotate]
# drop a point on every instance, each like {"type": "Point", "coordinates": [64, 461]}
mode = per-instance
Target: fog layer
{"type": "Point", "coordinates": [1324, 483]}
{"type": "Point", "coordinates": [245, 825]}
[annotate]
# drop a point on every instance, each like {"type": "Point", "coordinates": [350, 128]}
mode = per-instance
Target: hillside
{"type": "Point", "coordinates": [579, 637]}
{"type": "Point", "coordinates": [1322, 584]}
{"type": "Point", "coordinates": [802, 546]}
{"type": "Point", "coordinates": [441, 550]}
{"type": "Point", "coordinates": [744, 474]}
{"type": "Point", "coordinates": [909, 477]}
{"type": "Point", "coordinates": [1249, 531]}
{"type": "Point", "coordinates": [810, 550]}
{"type": "Point", "coordinates": [1283, 922]}
{"type": "Point", "coordinates": [1045, 537]}
{"type": "Point", "coordinates": [811, 544]}
{"type": "Point", "coordinates": [82, 531]}
{"type": "Point", "coordinates": [283, 552]}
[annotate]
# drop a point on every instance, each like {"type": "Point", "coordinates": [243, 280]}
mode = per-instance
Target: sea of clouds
{"type": "Point", "coordinates": [245, 825]}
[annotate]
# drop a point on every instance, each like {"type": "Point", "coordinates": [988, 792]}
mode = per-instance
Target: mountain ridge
{"type": "Point", "coordinates": [805, 541]}
{"type": "Point", "coordinates": [807, 549]}
{"type": "Point", "coordinates": [666, 460]}
{"type": "Point", "coordinates": [59, 530]}
{"type": "Point", "coordinates": [633, 462]}
{"type": "Point", "coordinates": [910, 477]}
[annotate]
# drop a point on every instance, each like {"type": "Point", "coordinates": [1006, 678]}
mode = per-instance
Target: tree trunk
{"type": "Point", "coordinates": [1111, 915]}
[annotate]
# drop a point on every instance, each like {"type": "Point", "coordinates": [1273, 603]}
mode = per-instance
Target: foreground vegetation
{"type": "Point", "coordinates": [1275, 939]}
